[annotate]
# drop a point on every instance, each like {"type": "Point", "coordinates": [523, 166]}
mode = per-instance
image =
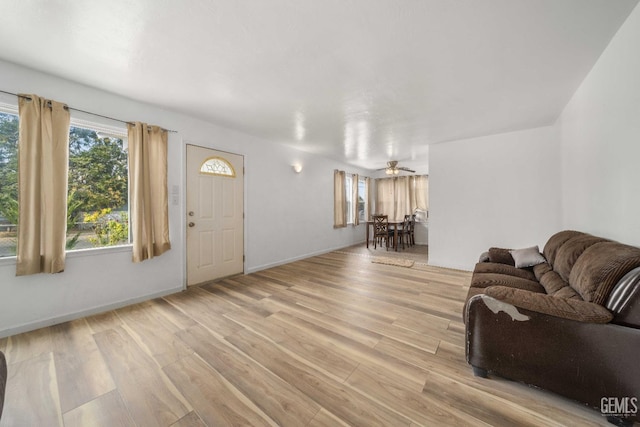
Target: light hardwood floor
{"type": "Point", "coordinates": [327, 341]}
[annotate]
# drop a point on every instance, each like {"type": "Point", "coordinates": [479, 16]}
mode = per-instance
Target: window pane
{"type": "Point", "coordinates": [98, 211]}
{"type": "Point", "coordinates": [349, 189]}
{"type": "Point", "coordinates": [217, 166]}
{"type": "Point", "coordinates": [361, 199]}
{"type": "Point", "coordinates": [97, 201]}
{"type": "Point", "coordinates": [8, 183]}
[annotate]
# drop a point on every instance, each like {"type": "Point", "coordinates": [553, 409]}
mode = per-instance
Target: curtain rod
{"type": "Point", "coordinates": [82, 111]}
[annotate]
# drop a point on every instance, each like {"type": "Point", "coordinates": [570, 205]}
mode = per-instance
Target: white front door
{"type": "Point", "coordinates": [215, 211]}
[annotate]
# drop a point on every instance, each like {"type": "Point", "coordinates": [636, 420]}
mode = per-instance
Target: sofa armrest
{"type": "Point", "coordinates": [579, 360]}
{"type": "Point", "coordinates": [484, 257]}
{"type": "Point", "coordinates": [572, 309]}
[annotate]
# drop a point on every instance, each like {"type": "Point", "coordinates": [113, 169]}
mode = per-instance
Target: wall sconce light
{"type": "Point", "coordinates": [297, 168]}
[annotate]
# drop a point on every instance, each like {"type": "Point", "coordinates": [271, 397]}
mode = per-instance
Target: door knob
{"type": "Point", "coordinates": [191, 224]}
{"type": "Point", "coordinates": [191, 213]}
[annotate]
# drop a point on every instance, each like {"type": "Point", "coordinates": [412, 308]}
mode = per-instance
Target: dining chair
{"type": "Point", "coordinates": [411, 229]}
{"type": "Point", "coordinates": [380, 230]}
{"type": "Point", "coordinates": [404, 232]}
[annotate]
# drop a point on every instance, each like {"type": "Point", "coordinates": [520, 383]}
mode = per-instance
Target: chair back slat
{"type": "Point", "coordinates": [380, 224]}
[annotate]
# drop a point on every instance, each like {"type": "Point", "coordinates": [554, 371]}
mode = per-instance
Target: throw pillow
{"type": "Point", "coordinates": [500, 256]}
{"type": "Point", "coordinates": [527, 257]}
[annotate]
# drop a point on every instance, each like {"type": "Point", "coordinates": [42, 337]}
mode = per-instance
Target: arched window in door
{"type": "Point", "coordinates": [217, 166]}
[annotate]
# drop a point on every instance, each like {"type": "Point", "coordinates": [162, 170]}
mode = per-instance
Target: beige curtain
{"type": "Point", "coordinates": [373, 191]}
{"type": "Point", "coordinates": [148, 196]}
{"type": "Point", "coordinates": [401, 195]}
{"type": "Point", "coordinates": [339, 199]}
{"type": "Point", "coordinates": [367, 198]}
{"type": "Point", "coordinates": [385, 197]}
{"type": "Point", "coordinates": [402, 198]}
{"type": "Point", "coordinates": [43, 164]}
{"type": "Point", "coordinates": [354, 196]}
{"type": "Point", "coordinates": [420, 193]}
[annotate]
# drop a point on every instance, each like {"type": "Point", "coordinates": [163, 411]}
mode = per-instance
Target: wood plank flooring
{"type": "Point", "coordinates": [327, 341]}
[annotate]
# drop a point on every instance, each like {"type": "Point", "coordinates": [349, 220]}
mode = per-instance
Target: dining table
{"type": "Point", "coordinates": [395, 223]}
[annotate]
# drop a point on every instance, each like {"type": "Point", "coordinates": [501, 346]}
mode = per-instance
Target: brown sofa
{"type": "Point", "coordinates": [569, 324]}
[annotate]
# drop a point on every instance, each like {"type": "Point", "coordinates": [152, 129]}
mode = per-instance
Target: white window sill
{"type": "Point", "coordinates": [79, 253]}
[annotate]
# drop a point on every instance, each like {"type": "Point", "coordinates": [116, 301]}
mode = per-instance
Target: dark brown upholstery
{"type": "Point", "coordinates": [483, 280]}
{"type": "Point", "coordinates": [555, 242]}
{"type": "Point", "coordinates": [569, 253]}
{"type": "Point", "coordinates": [624, 299]}
{"type": "Point", "coordinates": [570, 325]}
{"type": "Point", "coordinates": [579, 360]}
{"type": "Point", "coordinates": [574, 309]}
{"type": "Point", "coordinates": [600, 267]}
{"type": "Point", "coordinates": [489, 267]}
{"type": "Point", "coordinates": [501, 256]}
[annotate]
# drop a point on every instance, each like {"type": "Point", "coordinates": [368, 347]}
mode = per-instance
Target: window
{"type": "Point", "coordinates": [217, 166]}
{"type": "Point", "coordinates": [362, 202]}
{"type": "Point", "coordinates": [356, 205]}
{"type": "Point", "coordinates": [8, 183]}
{"type": "Point", "coordinates": [97, 201]}
{"type": "Point", "coordinates": [350, 204]}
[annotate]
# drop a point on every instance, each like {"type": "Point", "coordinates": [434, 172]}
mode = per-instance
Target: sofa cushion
{"type": "Point", "coordinates": [501, 256]}
{"type": "Point", "coordinates": [554, 285]}
{"type": "Point", "coordinates": [600, 267]}
{"type": "Point", "coordinates": [552, 282]}
{"type": "Point", "coordinates": [573, 309]}
{"type": "Point", "coordinates": [570, 251]}
{"type": "Point", "coordinates": [541, 269]}
{"type": "Point", "coordinates": [491, 267]}
{"type": "Point", "coordinates": [527, 257]}
{"type": "Point", "coordinates": [483, 280]}
{"type": "Point", "coordinates": [567, 293]}
{"type": "Point", "coordinates": [555, 242]}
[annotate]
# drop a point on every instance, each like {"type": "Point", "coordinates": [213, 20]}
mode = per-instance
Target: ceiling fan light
{"type": "Point", "coordinates": [396, 171]}
{"type": "Point", "coordinates": [389, 171]}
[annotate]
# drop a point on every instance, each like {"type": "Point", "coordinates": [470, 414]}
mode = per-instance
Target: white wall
{"type": "Point", "coordinates": [288, 215]}
{"type": "Point", "coordinates": [600, 130]}
{"type": "Point", "coordinates": [499, 190]}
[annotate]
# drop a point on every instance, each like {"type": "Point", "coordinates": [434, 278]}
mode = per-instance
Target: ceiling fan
{"type": "Point", "coordinates": [393, 168]}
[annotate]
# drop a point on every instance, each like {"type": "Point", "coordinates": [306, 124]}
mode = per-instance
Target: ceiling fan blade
{"type": "Point", "coordinates": [407, 169]}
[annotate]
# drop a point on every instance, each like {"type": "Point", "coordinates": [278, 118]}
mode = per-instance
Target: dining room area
{"type": "Point", "coordinates": [393, 209]}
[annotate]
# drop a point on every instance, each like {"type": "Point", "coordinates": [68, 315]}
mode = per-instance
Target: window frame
{"type": "Point", "coordinates": [99, 125]}
{"type": "Point", "coordinates": [226, 163]}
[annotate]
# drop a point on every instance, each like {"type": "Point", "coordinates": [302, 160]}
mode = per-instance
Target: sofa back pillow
{"type": "Point", "coordinates": [555, 242]}
{"type": "Point", "coordinates": [600, 267]}
{"type": "Point", "coordinates": [570, 251]}
{"type": "Point", "coordinates": [501, 256]}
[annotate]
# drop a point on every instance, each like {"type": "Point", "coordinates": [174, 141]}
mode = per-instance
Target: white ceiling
{"type": "Point", "coordinates": [363, 81]}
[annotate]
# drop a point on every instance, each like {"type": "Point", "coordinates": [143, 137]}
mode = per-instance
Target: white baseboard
{"type": "Point", "coordinates": [297, 258]}
{"type": "Point", "coordinates": [31, 326]}
{"type": "Point", "coordinates": [450, 266]}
